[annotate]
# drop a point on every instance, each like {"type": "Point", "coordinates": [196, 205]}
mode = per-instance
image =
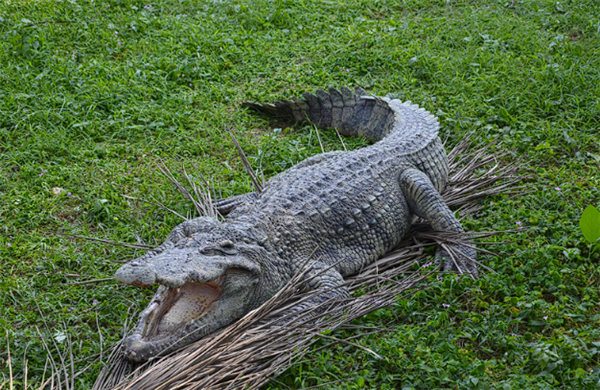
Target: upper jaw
{"type": "Point", "coordinates": [172, 269]}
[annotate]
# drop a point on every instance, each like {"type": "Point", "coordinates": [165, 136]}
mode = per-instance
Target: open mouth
{"type": "Point", "coordinates": [189, 304]}
{"type": "Point", "coordinates": [177, 306]}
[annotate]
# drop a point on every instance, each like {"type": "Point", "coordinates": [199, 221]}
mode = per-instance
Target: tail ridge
{"type": "Point", "coordinates": [352, 113]}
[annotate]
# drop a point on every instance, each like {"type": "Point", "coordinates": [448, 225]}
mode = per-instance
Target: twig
{"type": "Point", "coordinates": [281, 383]}
{"type": "Point", "coordinates": [9, 362]}
{"type": "Point", "coordinates": [158, 205]}
{"type": "Point", "coordinates": [114, 243]}
{"type": "Point", "coordinates": [101, 339]}
{"type": "Point", "coordinates": [92, 281]}
{"type": "Point", "coordinates": [341, 140]}
{"type": "Point", "coordinates": [249, 169]}
{"type": "Point", "coordinates": [70, 346]}
{"type": "Point", "coordinates": [55, 371]}
{"type": "Point", "coordinates": [25, 374]}
{"type": "Point", "coordinates": [203, 195]}
{"type": "Point", "coordinates": [319, 138]}
{"type": "Point", "coordinates": [345, 341]}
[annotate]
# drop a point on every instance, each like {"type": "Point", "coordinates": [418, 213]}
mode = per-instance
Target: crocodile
{"type": "Point", "coordinates": [342, 209]}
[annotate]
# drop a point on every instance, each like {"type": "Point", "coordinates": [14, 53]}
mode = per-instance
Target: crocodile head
{"type": "Point", "coordinates": [207, 274]}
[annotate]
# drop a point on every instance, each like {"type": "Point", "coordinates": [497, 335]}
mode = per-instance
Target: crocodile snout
{"type": "Point", "coordinates": [137, 274]}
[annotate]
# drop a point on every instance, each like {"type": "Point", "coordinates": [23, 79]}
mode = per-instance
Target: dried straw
{"type": "Point", "coordinates": [257, 348]}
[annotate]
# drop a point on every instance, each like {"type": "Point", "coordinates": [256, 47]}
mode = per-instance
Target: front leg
{"type": "Point", "coordinates": [323, 283]}
{"type": "Point", "coordinates": [426, 202]}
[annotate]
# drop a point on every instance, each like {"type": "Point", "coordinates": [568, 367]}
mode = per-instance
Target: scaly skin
{"type": "Point", "coordinates": [349, 208]}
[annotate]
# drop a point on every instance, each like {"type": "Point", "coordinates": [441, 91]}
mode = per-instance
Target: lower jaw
{"type": "Point", "coordinates": [138, 351]}
{"type": "Point", "coordinates": [140, 347]}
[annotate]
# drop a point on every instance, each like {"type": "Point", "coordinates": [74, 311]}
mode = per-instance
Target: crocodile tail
{"type": "Point", "coordinates": [351, 113]}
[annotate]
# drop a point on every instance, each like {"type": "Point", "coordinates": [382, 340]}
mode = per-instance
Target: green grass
{"type": "Point", "coordinates": [100, 102]}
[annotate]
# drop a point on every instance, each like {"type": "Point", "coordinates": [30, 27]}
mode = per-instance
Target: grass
{"type": "Point", "coordinates": [94, 105]}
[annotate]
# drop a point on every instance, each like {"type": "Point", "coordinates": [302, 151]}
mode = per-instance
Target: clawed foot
{"type": "Point", "coordinates": [462, 260]}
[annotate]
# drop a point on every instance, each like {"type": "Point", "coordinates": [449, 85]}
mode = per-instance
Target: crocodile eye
{"type": "Point", "coordinates": [226, 244]}
{"type": "Point", "coordinates": [224, 247]}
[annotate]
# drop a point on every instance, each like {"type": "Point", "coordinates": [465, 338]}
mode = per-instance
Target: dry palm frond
{"type": "Point", "coordinates": [258, 347]}
{"type": "Point", "coordinates": [202, 200]}
{"type": "Point", "coordinates": [246, 163]}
